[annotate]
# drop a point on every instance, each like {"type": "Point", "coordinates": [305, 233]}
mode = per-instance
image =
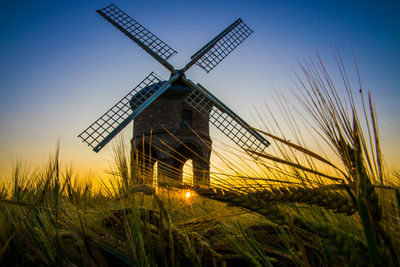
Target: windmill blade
{"type": "Point", "coordinates": [225, 120]}
{"type": "Point", "coordinates": [139, 34]}
{"type": "Point", "coordinates": [121, 114]}
{"type": "Point", "coordinates": [221, 46]}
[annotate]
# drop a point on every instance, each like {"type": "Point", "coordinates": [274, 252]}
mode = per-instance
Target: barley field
{"type": "Point", "coordinates": [332, 204]}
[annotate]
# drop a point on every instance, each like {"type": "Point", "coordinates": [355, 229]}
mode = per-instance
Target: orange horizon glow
{"type": "Point", "coordinates": [60, 74]}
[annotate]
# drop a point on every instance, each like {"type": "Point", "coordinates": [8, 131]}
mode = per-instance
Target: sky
{"type": "Point", "coordinates": [62, 65]}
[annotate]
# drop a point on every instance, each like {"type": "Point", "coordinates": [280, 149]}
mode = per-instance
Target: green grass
{"type": "Point", "coordinates": [292, 207]}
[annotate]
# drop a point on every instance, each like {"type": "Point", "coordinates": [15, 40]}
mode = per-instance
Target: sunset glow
{"type": "Point", "coordinates": [75, 66]}
{"type": "Point", "coordinates": [276, 143]}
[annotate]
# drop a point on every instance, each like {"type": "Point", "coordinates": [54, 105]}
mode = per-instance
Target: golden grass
{"type": "Point", "coordinates": [292, 207]}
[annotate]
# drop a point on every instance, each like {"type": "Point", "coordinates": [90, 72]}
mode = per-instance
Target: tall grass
{"type": "Point", "coordinates": [292, 207]}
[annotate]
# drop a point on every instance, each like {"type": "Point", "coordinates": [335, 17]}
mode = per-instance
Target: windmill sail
{"type": "Point", "coordinates": [222, 45]}
{"type": "Point", "coordinates": [225, 120]}
{"type": "Point", "coordinates": [121, 114]}
{"type": "Point", "coordinates": [139, 34]}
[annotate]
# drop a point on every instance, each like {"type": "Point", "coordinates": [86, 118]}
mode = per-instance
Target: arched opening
{"type": "Point", "coordinates": [185, 154]}
{"type": "Point", "coordinates": [187, 172]}
{"type": "Point", "coordinates": [144, 158]}
{"type": "Point", "coordinates": [199, 167]}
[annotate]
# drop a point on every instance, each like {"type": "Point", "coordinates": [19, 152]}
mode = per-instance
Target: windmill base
{"type": "Point", "coordinates": [170, 153]}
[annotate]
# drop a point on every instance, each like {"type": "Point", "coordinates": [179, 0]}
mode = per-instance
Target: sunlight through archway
{"type": "Point", "coordinates": [187, 172]}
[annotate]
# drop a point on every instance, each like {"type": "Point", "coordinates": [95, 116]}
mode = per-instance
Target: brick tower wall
{"type": "Point", "coordinates": [181, 143]}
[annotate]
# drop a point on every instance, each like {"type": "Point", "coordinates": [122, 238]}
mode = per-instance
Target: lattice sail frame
{"type": "Point", "coordinates": [226, 120]}
{"type": "Point", "coordinates": [225, 44]}
{"type": "Point", "coordinates": [99, 133]}
{"type": "Point", "coordinates": [134, 29]}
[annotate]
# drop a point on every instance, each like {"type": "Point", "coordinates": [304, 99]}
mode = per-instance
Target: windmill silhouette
{"type": "Point", "coordinates": [173, 115]}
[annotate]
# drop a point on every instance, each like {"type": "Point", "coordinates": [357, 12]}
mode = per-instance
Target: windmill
{"type": "Point", "coordinates": [172, 114]}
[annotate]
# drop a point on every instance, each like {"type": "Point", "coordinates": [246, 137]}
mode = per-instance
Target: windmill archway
{"type": "Point", "coordinates": [144, 159]}
{"type": "Point", "coordinates": [198, 157]}
{"type": "Point", "coordinates": [187, 172]}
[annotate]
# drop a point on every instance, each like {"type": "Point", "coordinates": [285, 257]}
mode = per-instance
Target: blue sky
{"type": "Point", "coordinates": [62, 65]}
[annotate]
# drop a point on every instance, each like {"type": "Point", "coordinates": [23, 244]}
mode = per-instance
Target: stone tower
{"type": "Point", "coordinates": [163, 133]}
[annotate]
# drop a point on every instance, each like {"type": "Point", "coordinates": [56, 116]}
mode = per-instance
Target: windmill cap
{"type": "Point", "coordinates": [175, 88]}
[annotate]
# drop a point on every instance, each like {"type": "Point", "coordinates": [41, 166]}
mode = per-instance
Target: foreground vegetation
{"type": "Point", "coordinates": [292, 207]}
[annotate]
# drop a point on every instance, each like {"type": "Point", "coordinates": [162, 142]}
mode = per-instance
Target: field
{"type": "Point", "coordinates": [292, 207]}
